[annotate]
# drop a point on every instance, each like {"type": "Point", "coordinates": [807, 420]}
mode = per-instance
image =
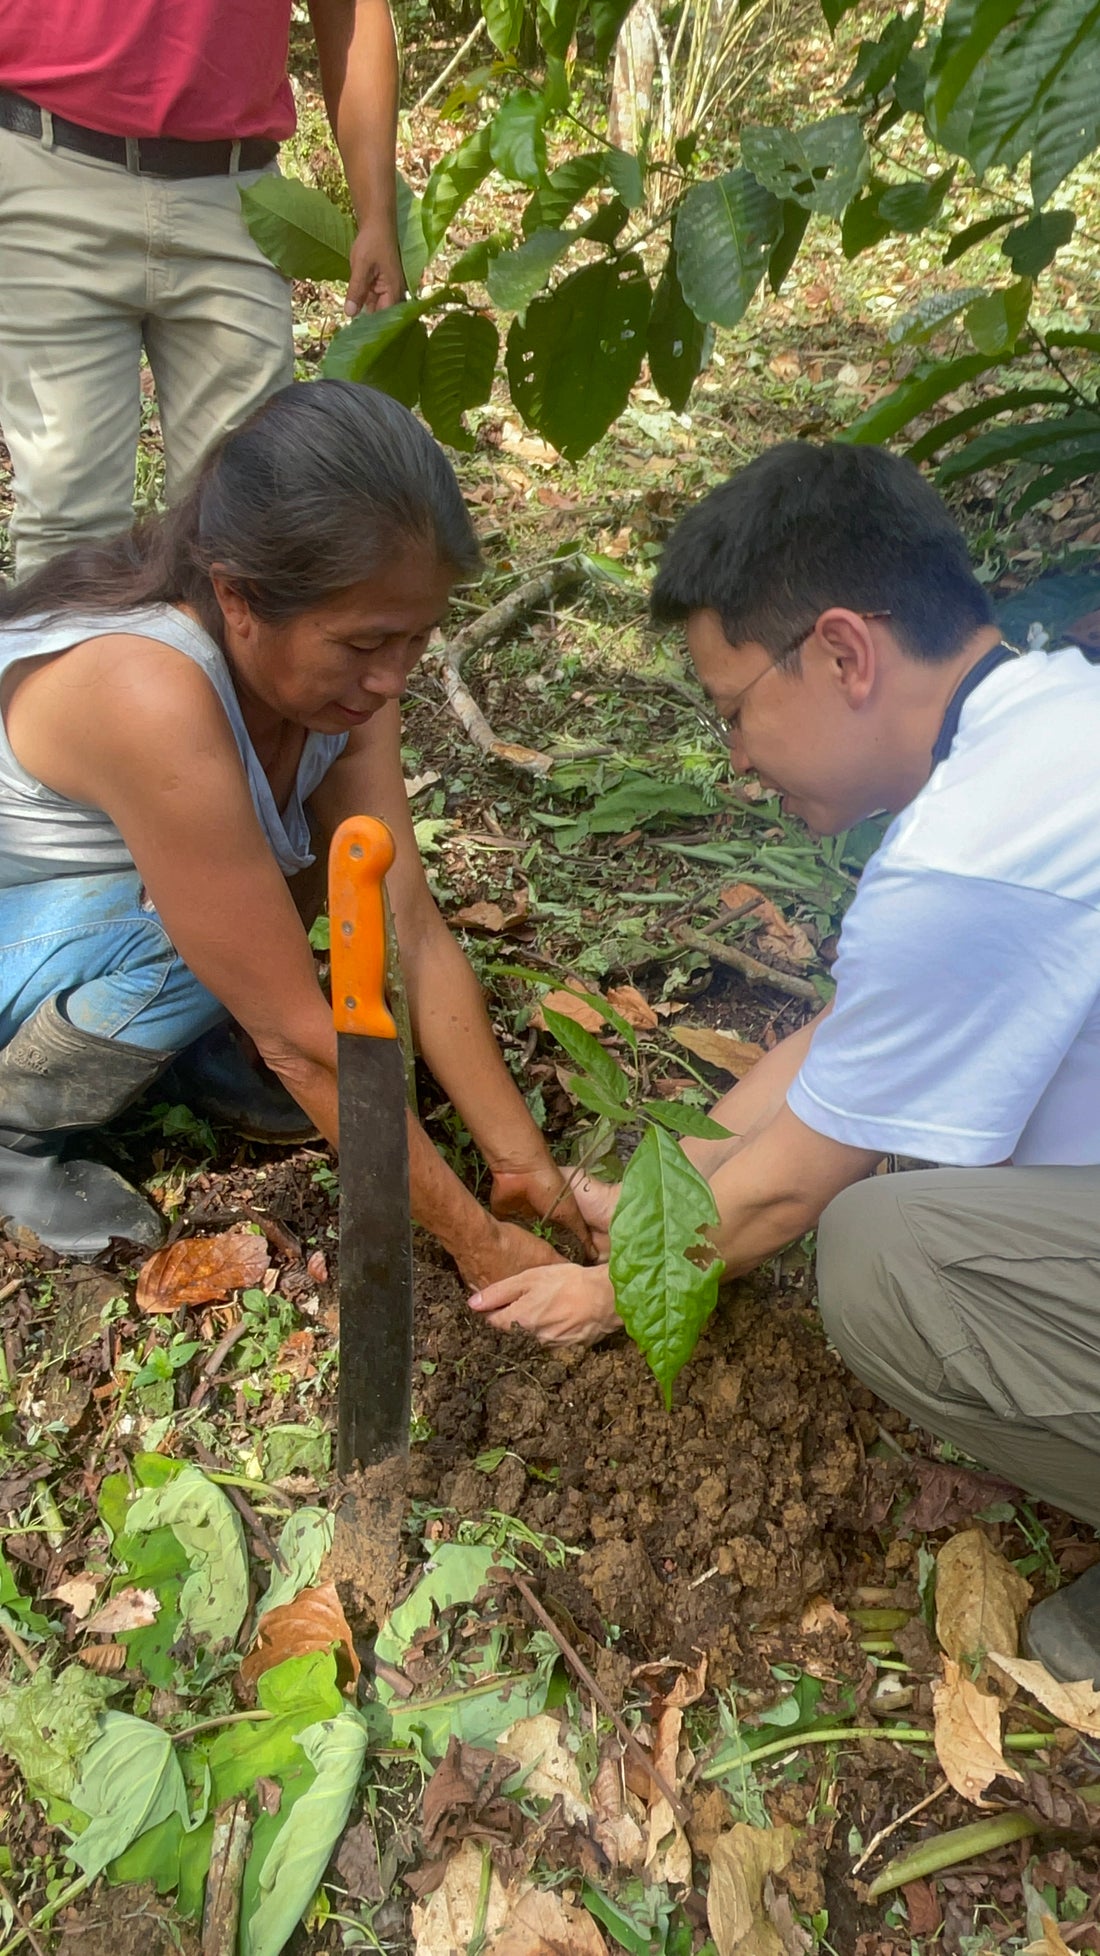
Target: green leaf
{"type": "Point", "coordinates": [862, 225]}
{"type": "Point", "coordinates": [454, 1575]}
{"type": "Point", "coordinates": [458, 374]}
{"type": "Point", "coordinates": [516, 139]}
{"type": "Point", "coordinates": [821, 166]}
{"type": "Point", "coordinates": [454, 178]}
{"type": "Point", "coordinates": [607, 16]}
{"type": "Point", "coordinates": [1039, 94]}
{"type": "Point", "coordinates": [996, 321]}
{"type": "Point", "coordinates": [678, 345]}
{"type": "Point", "coordinates": [476, 1716]}
{"type": "Point", "coordinates": [1066, 438]}
{"type": "Point", "coordinates": [910, 206]}
{"type": "Point", "coordinates": [624, 173]}
{"type": "Point", "coordinates": [878, 61]}
{"type": "Point", "coordinates": [397, 370]}
{"type": "Point", "coordinates": [591, 1095]}
{"type": "Point", "coordinates": [835, 10]}
{"type": "Point", "coordinates": [352, 351]}
{"type": "Point", "coordinates": [625, 1932]}
{"type": "Point", "coordinates": [970, 28]}
{"type": "Point", "coordinates": [473, 264]}
{"type": "Point", "coordinates": [514, 277]}
{"type": "Point", "coordinates": [663, 1297]}
{"type": "Point", "coordinates": [574, 358]}
{"type": "Point", "coordinates": [130, 1780]}
{"type": "Point", "coordinates": [785, 249]}
{"type": "Point", "coordinates": [985, 410]}
{"type": "Point", "coordinates": [641, 798]}
{"type": "Point", "coordinates": [585, 1050]}
{"type": "Point", "coordinates": [1031, 246]}
{"type": "Point", "coordinates": [410, 232]}
{"type": "Point", "coordinates": [680, 1117]}
{"type": "Point", "coordinates": [916, 394]}
{"type": "Point", "coordinates": [300, 1852]}
{"type": "Point", "coordinates": [304, 1542]}
{"type": "Point", "coordinates": [48, 1724]}
{"type": "Point", "coordinates": [974, 233]}
{"type": "Point", "coordinates": [296, 1447]}
{"type": "Point", "coordinates": [933, 311]}
{"type": "Point", "coordinates": [725, 230]}
{"type": "Point", "coordinates": [562, 192]}
{"type": "Point", "coordinates": [204, 1521]}
{"type": "Point", "coordinates": [299, 228]}
{"type": "Point", "coordinates": [504, 20]}
{"type": "Point", "coordinates": [557, 23]}
{"type": "Point", "coordinates": [17, 1608]}
{"type": "Point", "coordinates": [1087, 342]}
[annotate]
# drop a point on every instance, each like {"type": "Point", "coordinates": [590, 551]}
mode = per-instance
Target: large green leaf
{"type": "Point", "coordinates": [130, 1780]}
{"type": "Point", "coordinates": [459, 367]}
{"type": "Point", "coordinates": [562, 191]}
{"type": "Point", "coordinates": [678, 345]}
{"type": "Point", "coordinates": [1065, 439]}
{"type": "Point", "coordinates": [300, 1851]}
{"type": "Point", "coordinates": [585, 1050]}
{"type": "Point", "coordinates": [910, 206]}
{"type": "Point", "coordinates": [304, 1542]}
{"type": "Point", "coordinates": [929, 314]}
{"type": "Point", "coordinates": [973, 234]}
{"type": "Point", "coordinates": [352, 352]}
{"type": "Point", "coordinates": [821, 166]}
{"type": "Point", "coordinates": [574, 358]}
{"type": "Point", "coordinates": [1031, 246]}
{"type": "Point", "coordinates": [517, 140]}
{"type": "Point", "coordinates": [835, 10]}
{"type": "Point", "coordinates": [47, 1725]}
{"type": "Point", "coordinates": [455, 1574]}
{"type": "Point", "coordinates": [1009, 402]}
{"type": "Point", "coordinates": [299, 228]}
{"type": "Point", "coordinates": [662, 1295]}
{"type": "Point", "coordinates": [725, 230]}
{"type": "Point", "coordinates": [504, 20]}
{"type": "Point", "coordinates": [785, 249]}
{"type": "Point", "coordinates": [454, 178]}
{"type": "Point", "coordinates": [624, 173]}
{"type": "Point", "coordinates": [214, 1597]}
{"type": "Point", "coordinates": [970, 28]}
{"type": "Point", "coordinates": [557, 23]}
{"type": "Point", "coordinates": [995, 321]}
{"type": "Point", "coordinates": [410, 232]}
{"type": "Point", "coordinates": [514, 277]}
{"type": "Point", "coordinates": [1040, 94]}
{"type": "Point", "coordinates": [607, 16]}
{"type": "Point", "coordinates": [916, 395]}
{"type": "Point", "coordinates": [878, 62]}
{"type": "Point", "coordinates": [398, 364]}
{"type": "Point", "coordinates": [680, 1117]}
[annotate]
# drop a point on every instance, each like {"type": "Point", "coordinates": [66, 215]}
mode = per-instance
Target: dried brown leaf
{"type": "Point", "coordinates": [1073, 1704]}
{"type": "Point", "coordinates": [950, 1495]}
{"type": "Point", "coordinates": [614, 1826]}
{"type": "Point", "coordinates": [106, 1660]}
{"type": "Point", "coordinates": [78, 1593]}
{"type": "Point", "coordinates": [445, 1922]}
{"type": "Point", "coordinates": [668, 1851]}
{"type": "Point", "coordinates": [820, 1615]}
{"type": "Point", "coordinates": [740, 1863]}
{"type": "Point", "coordinates": [633, 1007]}
{"type": "Point", "coordinates": [550, 1768]}
{"type": "Point", "coordinates": [201, 1269]}
{"type": "Point", "coordinates": [571, 1007]}
{"type": "Point", "coordinates": [968, 1734]}
{"type": "Point", "coordinates": [672, 1683]}
{"type": "Point", "coordinates": [721, 1049]}
{"type": "Point", "coordinates": [980, 1599]}
{"type": "Point", "coordinates": [314, 1620]}
{"type": "Point", "coordinates": [130, 1609]}
{"type": "Point", "coordinates": [776, 935]}
{"type": "Point", "coordinates": [463, 1800]}
{"type": "Point", "coordinates": [1052, 1943]}
{"type": "Point", "coordinates": [492, 916]}
{"type": "Point", "coordinates": [542, 1923]}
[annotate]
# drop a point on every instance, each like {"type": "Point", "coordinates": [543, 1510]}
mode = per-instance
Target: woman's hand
{"type": "Point", "coordinates": [561, 1304]}
{"type": "Point", "coordinates": [540, 1191]}
{"type": "Point", "coordinates": [501, 1252]}
{"type": "Point", "coordinates": [596, 1202]}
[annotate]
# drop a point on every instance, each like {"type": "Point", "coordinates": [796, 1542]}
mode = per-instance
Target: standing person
{"type": "Point", "coordinates": [833, 618]}
{"type": "Point", "coordinates": [126, 133]}
{"type": "Point", "coordinates": [185, 715]}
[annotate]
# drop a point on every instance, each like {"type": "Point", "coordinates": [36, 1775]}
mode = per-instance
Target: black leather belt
{"type": "Point", "coordinates": [151, 156]}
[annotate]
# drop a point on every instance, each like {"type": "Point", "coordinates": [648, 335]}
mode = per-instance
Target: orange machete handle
{"type": "Point", "coordinates": [361, 853]}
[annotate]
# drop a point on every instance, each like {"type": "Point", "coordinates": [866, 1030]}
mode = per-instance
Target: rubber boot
{"type": "Point", "coordinates": [54, 1080]}
{"type": "Point", "coordinates": [216, 1077]}
{"type": "Point", "coordinates": [1063, 1632]}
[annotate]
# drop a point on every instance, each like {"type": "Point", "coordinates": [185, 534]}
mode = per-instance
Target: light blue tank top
{"type": "Point", "coordinates": [43, 835]}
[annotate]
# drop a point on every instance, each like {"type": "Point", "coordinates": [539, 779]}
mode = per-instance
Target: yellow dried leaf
{"type": "Point", "coordinates": [1073, 1704]}
{"type": "Point", "coordinates": [129, 1609]}
{"type": "Point", "coordinates": [571, 1006]}
{"type": "Point", "coordinates": [614, 1826]}
{"type": "Point", "coordinates": [78, 1593]}
{"type": "Point", "coordinates": [446, 1922]}
{"type": "Point", "coordinates": [551, 1769]}
{"type": "Point", "coordinates": [740, 1863]}
{"type": "Point", "coordinates": [722, 1049]}
{"type": "Point", "coordinates": [968, 1734]}
{"type": "Point", "coordinates": [980, 1599]}
{"type": "Point", "coordinates": [542, 1923]}
{"type": "Point", "coordinates": [1053, 1942]}
{"type": "Point", "coordinates": [106, 1660]}
{"type": "Point", "coordinates": [668, 1853]}
{"type": "Point", "coordinates": [201, 1269]}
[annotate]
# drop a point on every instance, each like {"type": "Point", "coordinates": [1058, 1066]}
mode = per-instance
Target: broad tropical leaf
{"type": "Point", "coordinates": [680, 1117]}
{"type": "Point", "coordinates": [607, 16]}
{"type": "Point", "coordinates": [785, 249]}
{"type": "Point", "coordinates": [974, 233]}
{"type": "Point", "coordinates": [574, 358]}
{"type": "Point", "coordinates": [662, 1294]}
{"type": "Point", "coordinates": [562, 191]}
{"type": "Point", "coordinates": [624, 174]}
{"type": "Point", "coordinates": [354, 349]}
{"type": "Point", "coordinates": [878, 62]}
{"type": "Point", "coordinates": [585, 1050]}
{"type": "Point", "coordinates": [516, 140]}
{"type": "Point", "coordinates": [557, 22]}
{"type": "Point", "coordinates": [995, 321]}
{"type": "Point", "coordinates": [130, 1780]}
{"type": "Point", "coordinates": [916, 395]}
{"type": "Point", "coordinates": [1030, 247]}
{"type": "Point", "coordinates": [678, 346]}
{"type": "Point", "coordinates": [821, 166]}
{"type": "Point", "coordinates": [514, 277]}
{"type": "Point", "coordinates": [724, 234]}
{"type": "Point", "coordinates": [454, 178]}
{"type": "Point", "coordinates": [410, 231]}
{"type": "Point", "coordinates": [970, 28]}
{"type": "Point", "coordinates": [1040, 95]}
{"type": "Point", "coordinates": [300, 1851]}
{"type": "Point", "coordinates": [459, 366]}
{"type": "Point", "coordinates": [986, 410]}
{"type": "Point", "coordinates": [398, 365]}
{"type": "Point", "coordinates": [504, 20]}
{"type": "Point", "coordinates": [299, 228]}
{"type": "Point", "coordinates": [1069, 438]}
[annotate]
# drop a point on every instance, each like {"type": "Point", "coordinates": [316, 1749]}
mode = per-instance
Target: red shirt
{"type": "Point", "coordinates": [198, 69]}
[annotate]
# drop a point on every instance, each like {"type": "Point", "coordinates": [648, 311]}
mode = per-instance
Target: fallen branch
{"type": "Point", "coordinates": [965, 1844]}
{"type": "Point", "coordinates": [576, 1663]}
{"type": "Point", "coordinates": [447, 660]}
{"type": "Point", "coordinates": [229, 1849]}
{"type": "Point", "coordinates": [216, 1360]}
{"type": "Point", "coordinates": [751, 969]}
{"type": "Point", "coordinates": [15, 1640]}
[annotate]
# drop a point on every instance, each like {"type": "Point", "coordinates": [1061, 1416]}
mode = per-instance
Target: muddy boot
{"type": "Point", "coordinates": [55, 1080]}
{"type": "Point", "coordinates": [215, 1077]}
{"type": "Point", "coordinates": [1063, 1632]}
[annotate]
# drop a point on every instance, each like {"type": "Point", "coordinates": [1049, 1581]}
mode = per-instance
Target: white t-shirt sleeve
{"type": "Point", "coordinates": [957, 1000]}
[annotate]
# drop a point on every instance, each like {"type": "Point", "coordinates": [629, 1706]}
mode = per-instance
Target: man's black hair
{"type": "Point", "coordinates": [807, 526]}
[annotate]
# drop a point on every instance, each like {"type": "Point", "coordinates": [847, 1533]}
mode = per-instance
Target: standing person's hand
{"type": "Point", "coordinates": [377, 278]}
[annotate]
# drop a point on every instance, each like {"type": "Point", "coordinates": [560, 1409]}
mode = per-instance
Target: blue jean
{"type": "Point", "coordinates": [98, 940]}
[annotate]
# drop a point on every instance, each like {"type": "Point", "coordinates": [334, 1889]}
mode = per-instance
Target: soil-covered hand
{"type": "Point", "coordinates": [539, 1191]}
{"type": "Point", "coordinates": [502, 1252]}
{"type": "Point", "coordinates": [560, 1305]}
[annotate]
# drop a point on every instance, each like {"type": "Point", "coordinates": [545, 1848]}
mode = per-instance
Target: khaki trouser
{"type": "Point", "coordinates": [970, 1300]}
{"type": "Point", "coordinates": [96, 263]}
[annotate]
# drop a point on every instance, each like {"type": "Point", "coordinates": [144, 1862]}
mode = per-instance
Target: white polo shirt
{"type": "Point", "coordinates": [966, 1027]}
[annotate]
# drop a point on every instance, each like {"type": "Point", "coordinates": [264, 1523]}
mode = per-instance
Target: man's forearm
{"type": "Point", "coordinates": [754, 1101]}
{"type": "Point", "coordinates": [357, 52]}
{"type": "Point", "coordinates": [776, 1188]}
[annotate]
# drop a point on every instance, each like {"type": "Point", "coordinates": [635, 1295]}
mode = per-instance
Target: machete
{"type": "Point", "coordinates": [375, 1395]}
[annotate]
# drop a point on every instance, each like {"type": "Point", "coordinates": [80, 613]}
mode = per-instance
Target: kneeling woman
{"type": "Point", "coordinates": [177, 709]}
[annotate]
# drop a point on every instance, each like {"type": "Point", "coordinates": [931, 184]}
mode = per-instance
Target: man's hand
{"type": "Point", "coordinates": [560, 1305]}
{"type": "Point", "coordinates": [501, 1253]}
{"type": "Point", "coordinates": [377, 278]}
{"type": "Point", "coordinates": [539, 1191]}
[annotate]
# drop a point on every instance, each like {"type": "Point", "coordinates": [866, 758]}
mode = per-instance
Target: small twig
{"type": "Point", "coordinates": [19, 1647]}
{"type": "Point", "coordinates": [17, 1918]}
{"type": "Point", "coordinates": [577, 1664]}
{"type": "Point", "coordinates": [455, 61]}
{"type": "Point", "coordinates": [9, 1289]}
{"type": "Point", "coordinates": [884, 1833]}
{"type": "Point", "coordinates": [751, 969]}
{"type": "Point", "coordinates": [247, 1513]}
{"type": "Point", "coordinates": [212, 1724]}
{"type": "Point", "coordinates": [217, 1359]}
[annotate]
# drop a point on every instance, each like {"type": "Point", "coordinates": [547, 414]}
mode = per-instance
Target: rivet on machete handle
{"type": "Point", "coordinates": [362, 852]}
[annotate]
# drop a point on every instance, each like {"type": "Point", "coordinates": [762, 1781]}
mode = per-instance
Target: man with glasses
{"type": "Point", "coordinates": [835, 622]}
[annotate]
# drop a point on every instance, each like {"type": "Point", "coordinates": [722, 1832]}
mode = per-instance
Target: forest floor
{"type": "Point", "coordinates": [743, 1575]}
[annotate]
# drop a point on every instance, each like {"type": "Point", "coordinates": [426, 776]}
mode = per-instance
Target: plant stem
{"type": "Point", "coordinates": [211, 1724]}
{"type": "Point", "coordinates": [841, 1734]}
{"type": "Point", "coordinates": [961, 1844]}
{"type": "Point", "coordinates": [46, 1915]}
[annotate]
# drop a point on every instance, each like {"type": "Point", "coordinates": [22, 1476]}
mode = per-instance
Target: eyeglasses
{"type": "Point", "coordinates": [796, 644]}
